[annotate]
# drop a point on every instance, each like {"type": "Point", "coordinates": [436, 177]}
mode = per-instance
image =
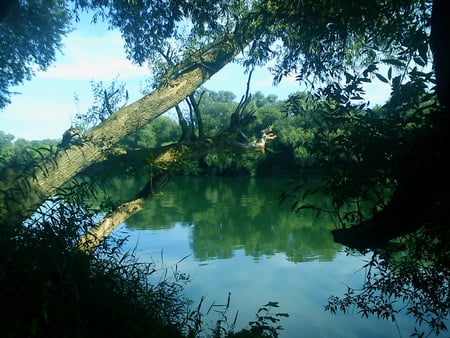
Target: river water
{"type": "Point", "coordinates": [237, 239]}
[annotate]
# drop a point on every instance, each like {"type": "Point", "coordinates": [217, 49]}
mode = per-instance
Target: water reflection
{"type": "Point", "coordinates": [240, 240]}
{"type": "Point", "coordinates": [238, 213]}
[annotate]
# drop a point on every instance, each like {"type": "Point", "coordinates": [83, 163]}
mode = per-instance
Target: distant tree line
{"type": "Point", "coordinates": [301, 125]}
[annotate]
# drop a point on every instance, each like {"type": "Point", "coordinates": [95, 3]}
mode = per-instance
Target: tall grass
{"type": "Point", "coordinates": [49, 288]}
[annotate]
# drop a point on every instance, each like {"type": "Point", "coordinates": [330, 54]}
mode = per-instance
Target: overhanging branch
{"type": "Point", "coordinates": [166, 158]}
{"type": "Point", "coordinates": [182, 81]}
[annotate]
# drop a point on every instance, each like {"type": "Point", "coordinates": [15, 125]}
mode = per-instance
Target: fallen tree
{"type": "Point", "coordinates": [231, 140]}
{"type": "Point", "coordinates": [173, 153]}
{"type": "Point", "coordinates": [319, 52]}
{"type": "Point", "coordinates": [23, 192]}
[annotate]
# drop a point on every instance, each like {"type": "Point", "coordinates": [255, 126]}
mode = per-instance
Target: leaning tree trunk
{"type": "Point", "coordinates": [22, 195]}
{"type": "Point", "coordinates": [232, 140]}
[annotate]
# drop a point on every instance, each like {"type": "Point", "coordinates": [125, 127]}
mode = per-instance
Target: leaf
{"type": "Point", "coordinates": [389, 74]}
{"type": "Point", "coordinates": [356, 97]}
{"type": "Point", "coordinates": [263, 308]}
{"type": "Point", "coordinates": [423, 51]}
{"type": "Point", "coordinates": [305, 206]}
{"type": "Point", "coordinates": [371, 68]}
{"type": "Point", "coordinates": [381, 78]}
{"type": "Point", "coordinates": [284, 196]}
{"type": "Point", "coordinates": [420, 61]}
{"type": "Point", "coordinates": [306, 194]}
{"type": "Point", "coordinates": [394, 62]}
{"type": "Point", "coordinates": [348, 77]}
{"type": "Point", "coordinates": [396, 82]}
{"type": "Point", "coordinates": [182, 259]}
{"type": "Point", "coordinates": [272, 304]}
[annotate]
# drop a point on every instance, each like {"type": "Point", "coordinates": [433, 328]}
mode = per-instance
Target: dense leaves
{"type": "Point", "coordinates": [58, 290]}
{"type": "Point", "coordinates": [30, 34]}
{"type": "Point", "coordinates": [151, 28]}
{"type": "Point", "coordinates": [321, 40]}
{"type": "Point", "coordinates": [106, 102]}
{"type": "Point", "coordinates": [384, 167]}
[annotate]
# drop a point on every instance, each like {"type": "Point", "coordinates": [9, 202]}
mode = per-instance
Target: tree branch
{"type": "Point", "coordinates": [89, 241]}
{"type": "Point", "coordinates": [185, 130]}
{"type": "Point", "coordinates": [166, 157]}
{"type": "Point", "coordinates": [194, 105]}
{"type": "Point", "coordinates": [65, 164]}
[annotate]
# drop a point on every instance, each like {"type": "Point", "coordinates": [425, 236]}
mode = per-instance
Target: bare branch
{"type": "Point", "coordinates": [198, 116]}
{"type": "Point", "coordinates": [167, 157]}
{"type": "Point", "coordinates": [107, 104]}
{"type": "Point", "coordinates": [237, 120]}
{"type": "Point", "coordinates": [185, 131]}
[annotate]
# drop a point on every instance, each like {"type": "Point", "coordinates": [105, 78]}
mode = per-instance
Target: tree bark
{"type": "Point", "coordinates": [227, 142]}
{"type": "Point", "coordinates": [424, 180]}
{"type": "Point", "coordinates": [22, 194]}
{"type": "Point", "coordinates": [440, 46]}
{"type": "Point", "coordinates": [89, 241]}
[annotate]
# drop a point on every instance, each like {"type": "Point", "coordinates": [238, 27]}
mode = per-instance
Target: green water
{"type": "Point", "coordinates": [240, 240]}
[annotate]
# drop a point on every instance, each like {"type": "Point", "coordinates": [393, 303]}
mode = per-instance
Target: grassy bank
{"type": "Point", "coordinates": [49, 288]}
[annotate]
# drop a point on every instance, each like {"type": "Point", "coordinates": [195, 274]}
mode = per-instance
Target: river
{"type": "Point", "coordinates": [236, 238]}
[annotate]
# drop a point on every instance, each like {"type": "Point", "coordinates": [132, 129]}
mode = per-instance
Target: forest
{"type": "Point", "coordinates": [384, 167]}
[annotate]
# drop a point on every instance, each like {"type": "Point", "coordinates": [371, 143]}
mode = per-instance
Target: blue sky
{"type": "Point", "coordinates": [45, 106]}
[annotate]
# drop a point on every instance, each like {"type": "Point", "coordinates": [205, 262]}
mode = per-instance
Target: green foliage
{"type": "Point", "coordinates": [264, 325]}
{"type": "Point", "coordinates": [6, 147]}
{"type": "Point", "coordinates": [150, 28]}
{"type": "Point", "coordinates": [414, 281]}
{"type": "Point", "coordinates": [358, 151]}
{"type": "Point", "coordinates": [284, 155]}
{"type": "Point", "coordinates": [60, 291]}
{"type": "Point", "coordinates": [159, 132]}
{"type": "Point", "coordinates": [30, 33]}
{"type": "Point", "coordinates": [22, 157]}
{"type": "Point", "coordinates": [361, 153]}
{"type": "Point", "coordinates": [216, 108]}
{"type": "Point", "coordinates": [297, 130]}
{"type": "Point", "coordinates": [321, 40]}
{"type": "Point", "coordinates": [107, 100]}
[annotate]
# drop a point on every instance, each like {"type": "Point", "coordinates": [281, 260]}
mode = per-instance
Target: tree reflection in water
{"type": "Point", "coordinates": [412, 277]}
{"type": "Point", "coordinates": [230, 215]}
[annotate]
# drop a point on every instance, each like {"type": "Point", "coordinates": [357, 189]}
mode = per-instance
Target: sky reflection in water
{"type": "Point", "coordinates": [238, 239]}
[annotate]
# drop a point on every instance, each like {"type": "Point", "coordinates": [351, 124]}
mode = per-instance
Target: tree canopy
{"type": "Point", "coordinates": [388, 160]}
{"type": "Point", "coordinates": [335, 47]}
{"type": "Point", "coordinates": [30, 35]}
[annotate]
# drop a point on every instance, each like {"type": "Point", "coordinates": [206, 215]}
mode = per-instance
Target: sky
{"type": "Point", "coordinates": [45, 105]}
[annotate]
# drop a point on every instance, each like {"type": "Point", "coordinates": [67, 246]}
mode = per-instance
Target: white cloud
{"type": "Point", "coordinates": [99, 57]}
{"type": "Point", "coordinates": [37, 121]}
{"type": "Point", "coordinates": [94, 70]}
